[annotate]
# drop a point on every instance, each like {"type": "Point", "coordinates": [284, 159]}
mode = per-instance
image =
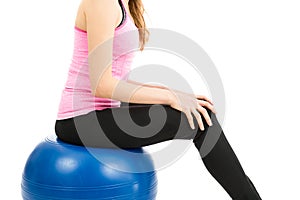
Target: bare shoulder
{"type": "Point", "coordinates": [103, 5]}
{"type": "Point", "coordinates": [92, 8]}
{"type": "Point", "coordinates": [80, 21]}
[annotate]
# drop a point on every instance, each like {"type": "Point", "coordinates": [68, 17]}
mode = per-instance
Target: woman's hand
{"type": "Point", "coordinates": [204, 100]}
{"type": "Point", "coordinates": [191, 104]}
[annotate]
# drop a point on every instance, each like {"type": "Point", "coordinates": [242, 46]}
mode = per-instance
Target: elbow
{"type": "Point", "coordinates": [104, 89]}
{"type": "Point", "coordinates": [101, 92]}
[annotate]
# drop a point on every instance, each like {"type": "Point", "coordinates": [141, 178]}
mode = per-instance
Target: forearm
{"type": "Point", "coordinates": [157, 86]}
{"type": "Point", "coordinates": [146, 85]}
{"type": "Point", "coordinates": [127, 91]}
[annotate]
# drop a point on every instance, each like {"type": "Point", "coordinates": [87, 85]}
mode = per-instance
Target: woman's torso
{"type": "Point", "coordinates": [76, 96]}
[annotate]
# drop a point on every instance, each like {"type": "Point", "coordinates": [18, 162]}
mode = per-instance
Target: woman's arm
{"type": "Point", "coordinates": [199, 97]}
{"type": "Point", "coordinates": [101, 19]}
{"type": "Point", "coordinates": [146, 85]}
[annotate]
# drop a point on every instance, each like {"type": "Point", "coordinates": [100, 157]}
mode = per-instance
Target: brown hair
{"type": "Point", "coordinates": [137, 10]}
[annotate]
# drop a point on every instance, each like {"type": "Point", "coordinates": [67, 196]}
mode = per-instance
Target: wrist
{"type": "Point", "coordinates": [171, 96]}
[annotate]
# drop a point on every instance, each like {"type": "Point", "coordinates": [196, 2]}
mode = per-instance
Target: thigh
{"type": "Point", "coordinates": [128, 126]}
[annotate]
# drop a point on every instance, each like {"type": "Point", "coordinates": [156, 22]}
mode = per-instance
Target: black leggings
{"type": "Point", "coordinates": [154, 123]}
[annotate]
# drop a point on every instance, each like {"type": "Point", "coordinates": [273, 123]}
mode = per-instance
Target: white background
{"type": "Point", "coordinates": [254, 44]}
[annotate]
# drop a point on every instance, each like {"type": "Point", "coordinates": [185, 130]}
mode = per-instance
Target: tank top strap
{"type": "Point", "coordinates": [126, 14]}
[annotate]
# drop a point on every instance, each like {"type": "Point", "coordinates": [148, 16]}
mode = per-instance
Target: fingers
{"type": "Point", "coordinates": [202, 97]}
{"type": "Point", "coordinates": [197, 115]}
{"type": "Point", "coordinates": [190, 119]}
{"type": "Point", "coordinates": [207, 105]}
{"type": "Point", "coordinates": [205, 114]}
{"type": "Point", "coordinates": [194, 104]}
{"type": "Point", "coordinates": [199, 119]}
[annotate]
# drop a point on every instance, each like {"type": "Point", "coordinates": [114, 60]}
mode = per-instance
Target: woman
{"type": "Point", "coordinates": [94, 90]}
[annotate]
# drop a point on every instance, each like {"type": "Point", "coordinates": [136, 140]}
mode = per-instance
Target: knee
{"type": "Point", "coordinates": [212, 116]}
{"type": "Point", "coordinates": [216, 127]}
{"type": "Point", "coordinates": [210, 133]}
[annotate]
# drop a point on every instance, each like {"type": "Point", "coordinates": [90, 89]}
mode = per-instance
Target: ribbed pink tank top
{"type": "Point", "coordinates": [76, 96]}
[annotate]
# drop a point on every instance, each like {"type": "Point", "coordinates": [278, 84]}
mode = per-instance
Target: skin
{"type": "Point", "coordinates": [100, 18]}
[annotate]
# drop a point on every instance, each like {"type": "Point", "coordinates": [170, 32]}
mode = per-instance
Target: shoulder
{"type": "Point", "coordinates": [100, 5]}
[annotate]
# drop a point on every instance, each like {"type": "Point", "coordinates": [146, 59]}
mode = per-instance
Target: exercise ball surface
{"type": "Point", "coordinates": [61, 171]}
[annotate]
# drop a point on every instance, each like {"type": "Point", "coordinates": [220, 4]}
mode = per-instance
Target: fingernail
{"type": "Point", "coordinates": [202, 129]}
{"type": "Point", "coordinates": [210, 123]}
{"type": "Point", "coordinates": [193, 127]}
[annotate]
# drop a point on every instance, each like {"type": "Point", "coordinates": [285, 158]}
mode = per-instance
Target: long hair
{"type": "Point", "coordinates": [137, 10]}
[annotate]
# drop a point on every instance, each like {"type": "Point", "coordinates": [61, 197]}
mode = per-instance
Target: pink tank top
{"type": "Point", "coordinates": [76, 97]}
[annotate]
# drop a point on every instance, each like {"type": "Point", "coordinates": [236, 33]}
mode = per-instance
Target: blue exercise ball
{"type": "Point", "coordinates": [61, 171]}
